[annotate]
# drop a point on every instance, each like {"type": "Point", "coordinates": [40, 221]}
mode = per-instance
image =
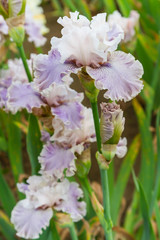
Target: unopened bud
{"type": "Point", "coordinates": [12, 8]}
{"type": "Point", "coordinates": [111, 127]}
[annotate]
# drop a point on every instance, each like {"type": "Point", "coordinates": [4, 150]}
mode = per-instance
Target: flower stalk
{"type": "Point", "coordinates": [104, 175]}
{"type": "Point", "coordinates": [24, 60]}
{"type": "Point", "coordinates": [72, 231]}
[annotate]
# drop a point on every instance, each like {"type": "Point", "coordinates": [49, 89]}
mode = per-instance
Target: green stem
{"type": "Point", "coordinates": [104, 175]}
{"type": "Point", "coordinates": [55, 233]}
{"type": "Point", "coordinates": [96, 124]}
{"type": "Point", "coordinates": [96, 205]}
{"type": "Point", "coordinates": [73, 233]}
{"type": "Point", "coordinates": [24, 60]}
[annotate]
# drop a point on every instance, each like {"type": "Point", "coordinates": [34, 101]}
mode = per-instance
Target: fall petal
{"type": "Point", "coordinates": [120, 76]}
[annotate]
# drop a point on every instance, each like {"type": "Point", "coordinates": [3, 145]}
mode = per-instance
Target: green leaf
{"type": "Point", "coordinates": [148, 231]}
{"type": "Point", "coordinates": [157, 213]}
{"type": "Point", "coordinates": [83, 8]}
{"type": "Point", "coordinates": [69, 4]}
{"type": "Point", "coordinates": [45, 234]}
{"type": "Point", "coordinates": [132, 216]}
{"type": "Point", "coordinates": [124, 6]}
{"type": "Point", "coordinates": [147, 161]}
{"type": "Point", "coordinates": [109, 6]}
{"type": "Point", "coordinates": [34, 144]}
{"type": "Point", "coordinates": [146, 62]}
{"type": "Point", "coordinates": [6, 197]}
{"type": "Point", "coordinates": [149, 46]}
{"type": "Point", "coordinates": [14, 145]}
{"type": "Point", "coordinates": [3, 144]}
{"type": "Point", "coordinates": [157, 178]}
{"type": "Point", "coordinates": [6, 228]}
{"type": "Point", "coordinates": [123, 176]}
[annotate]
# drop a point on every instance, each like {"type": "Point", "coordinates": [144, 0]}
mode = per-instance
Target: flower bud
{"type": "Point", "coordinates": [111, 128]}
{"type": "Point", "coordinates": [12, 8]}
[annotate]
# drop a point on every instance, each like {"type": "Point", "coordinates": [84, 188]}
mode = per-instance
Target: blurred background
{"type": "Point", "coordinates": [140, 114]}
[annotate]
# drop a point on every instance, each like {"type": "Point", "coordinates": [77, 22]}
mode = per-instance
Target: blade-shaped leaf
{"type": "Point", "coordinates": [147, 162]}
{"type": "Point", "coordinates": [14, 145]}
{"type": "Point", "coordinates": [124, 6]}
{"type": "Point", "coordinates": [148, 231]}
{"type": "Point", "coordinates": [157, 178]}
{"type": "Point", "coordinates": [6, 228]}
{"type": "Point", "coordinates": [6, 197]}
{"type": "Point", "coordinates": [123, 176]}
{"type": "Point", "coordinates": [157, 213]}
{"type": "Point", "coordinates": [34, 144]}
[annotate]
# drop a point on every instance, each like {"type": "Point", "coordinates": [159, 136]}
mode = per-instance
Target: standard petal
{"type": "Point", "coordinates": [49, 69]}
{"type": "Point", "coordinates": [69, 113]}
{"type": "Point", "coordinates": [22, 96]}
{"type": "Point", "coordinates": [55, 159]}
{"type": "Point", "coordinates": [120, 76]}
{"type": "Point", "coordinates": [29, 221]}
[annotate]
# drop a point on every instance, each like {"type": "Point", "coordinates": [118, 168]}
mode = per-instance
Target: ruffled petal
{"type": "Point", "coordinates": [55, 159]}
{"type": "Point", "coordinates": [121, 149]}
{"type": "Point", "coordinates": [22, 96]}
{"type": "Point", "coordinates": [29, 221]}
{"type": "Point", "coordinates": [49, 69]}
{"type": "Point", "coordinates": [69, 113]}
{"type": "Point", "coordinates": [22, 187]}
{"type": "Point", "coordinates": [120, 76]}
{"type": "Point", "coordinates": [72, 205]}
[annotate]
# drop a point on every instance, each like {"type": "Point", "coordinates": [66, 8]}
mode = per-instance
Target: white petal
{"type": "Point", "coordinates": [121, 149]}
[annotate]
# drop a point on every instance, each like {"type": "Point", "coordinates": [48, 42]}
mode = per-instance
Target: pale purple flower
{"type": "Point", "coordinates": [55, 159]}
{"type": "Point", "coordinates": [76, 138]}
{"type": "Point", "coordinates": [14, 74]}
{"type": "Point", "coordinates": [65, 103]}
{"type": "Point", "coordinates": [92, 45]}
{"type": "Point", "coordinates": [127, 24]}
{"type": "Point", "coordinates": [60, 101]}
{"type": "Point", "coordinates": [35, 23]}
{"type": "Point", "coordinates": [119, 75]}
{"type": "Point", "coordinates": [43, 194]}
{"type": "Point", "coordinates": [86, 43]}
